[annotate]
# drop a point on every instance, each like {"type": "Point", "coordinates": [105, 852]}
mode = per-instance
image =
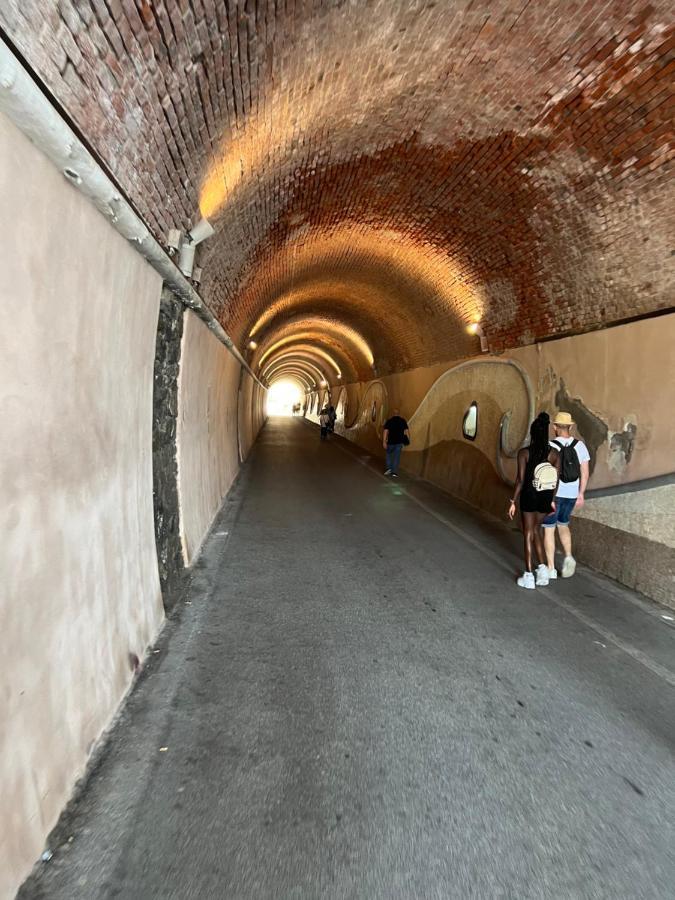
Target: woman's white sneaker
{"type": "Point", "coordinates": [542, 575]}
{"type": "Point", "coordinates": [552, 574]}
{"type": "Point", "coordinates": [526, 580]}
{"type": "Point", "coordinates": [569, 567]}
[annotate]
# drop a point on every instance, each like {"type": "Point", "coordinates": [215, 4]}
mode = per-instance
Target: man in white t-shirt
{"type": "Point", "coordinates": [574, 459]}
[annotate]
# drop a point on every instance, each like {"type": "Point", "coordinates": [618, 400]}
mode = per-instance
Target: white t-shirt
{"type": "Point", "coordinates": [570, 489]}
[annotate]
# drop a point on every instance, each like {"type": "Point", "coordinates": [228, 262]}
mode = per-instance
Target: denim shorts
{"type": "Point", "coordinates": [563, 511]}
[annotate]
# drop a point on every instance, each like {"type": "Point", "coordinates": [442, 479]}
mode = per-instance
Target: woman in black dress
{"type": "Point", "coordinates": [534, 505]}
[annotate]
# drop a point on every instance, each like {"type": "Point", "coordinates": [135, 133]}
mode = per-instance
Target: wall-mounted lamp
{"type": "Point", "coordinates": [202, 230]}
{"type": "Point", "coordinates": [477, 329]}
{"type": "Point", "coordinates": [173, 241]}
{"type": "Point", "coordinates": [186, 258]}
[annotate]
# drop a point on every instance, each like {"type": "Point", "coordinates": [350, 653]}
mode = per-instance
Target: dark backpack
{"type": "Point", "coordinates": [570, 468]}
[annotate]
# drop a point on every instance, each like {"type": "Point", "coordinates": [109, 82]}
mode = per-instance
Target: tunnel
{"type": "Point", "coordinates": [238, 659]}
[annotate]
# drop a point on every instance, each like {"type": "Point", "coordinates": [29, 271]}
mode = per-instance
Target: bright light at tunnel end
{"type": "Point", "coordinates": [282, 396]}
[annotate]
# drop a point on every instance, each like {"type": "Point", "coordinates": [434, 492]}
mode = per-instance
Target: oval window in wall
{"type": "Point", "coordinates": [470, 422]}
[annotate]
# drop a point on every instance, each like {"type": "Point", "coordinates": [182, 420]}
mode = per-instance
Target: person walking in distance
{"type": "Point", "coordinates": [395, 437]}
{"type": "Point", "coordinates": [574, 472]}
{"type": "Point", "coordinates": [324, 422]}
{"type": "Point", "coordinates": [538, 470]}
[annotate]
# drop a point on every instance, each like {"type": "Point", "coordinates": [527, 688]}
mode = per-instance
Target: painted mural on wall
{"type": "Point", "coordinates": [366, 429]}
{"type": "Point", "coordinates": [504, 404]}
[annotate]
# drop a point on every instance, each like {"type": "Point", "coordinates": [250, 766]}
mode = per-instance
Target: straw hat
{"type": "Point", "coordinates": [564, 419]}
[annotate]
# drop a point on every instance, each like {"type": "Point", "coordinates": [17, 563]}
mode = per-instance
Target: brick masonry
{"type": "Point", "coordinates": [397, 167]}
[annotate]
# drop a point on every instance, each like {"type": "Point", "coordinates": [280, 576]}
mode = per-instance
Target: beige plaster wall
{"type": "Point", "coordinates": [79, 590]}
{"type": "Point", "coordinates": [251, 413]}
{"type": "Point", "coordinates": [623, 375]}
{"type": "Point", "coordinates": [207, 433]}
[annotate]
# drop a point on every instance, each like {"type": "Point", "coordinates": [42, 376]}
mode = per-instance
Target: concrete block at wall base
{"type": "Point", "coordinates": [643, 565]}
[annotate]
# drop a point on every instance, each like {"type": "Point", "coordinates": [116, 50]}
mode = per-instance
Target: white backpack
{"type": "Point", "coordinates": [545, 477]}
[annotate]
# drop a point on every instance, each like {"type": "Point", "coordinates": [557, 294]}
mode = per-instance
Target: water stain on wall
{"type": "Point", "coordinates": [621, 446]}
{"type": "Point", "coordinates": [589, 426]}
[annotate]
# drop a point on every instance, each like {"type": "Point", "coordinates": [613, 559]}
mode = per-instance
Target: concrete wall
{"type": "Point", "coordinates": [251, 413]}
{"type": "Point", "coordinates": [619, 385]}
{"type": "Point", "coordinates": [79, 590]}
{"type": "Point", "coordinates": [211, 415]}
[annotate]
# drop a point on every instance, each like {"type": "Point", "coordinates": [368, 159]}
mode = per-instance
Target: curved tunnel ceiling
{"type": "Point", "coordinates": [299, 362]}
{"type": "Point", "coordinates": [294, 379]}
{"type": "Point", "coordinates": [394, 169]}
{"type": "Point", "coordinates": [333, 357]}
{"type": "Point", "coordinates": [306, 355]}
{"type": "Point", "coordinates": [295, 376]}
{"type": "Point", "coordinates": [303, 341]}
{"type": "Point", "coordinates": [330, 334]}
{"type": "Point", "coordinates": [313, 374]}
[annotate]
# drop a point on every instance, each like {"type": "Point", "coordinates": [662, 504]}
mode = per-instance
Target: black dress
{"type": "Point", "coordinates": [530, 500]}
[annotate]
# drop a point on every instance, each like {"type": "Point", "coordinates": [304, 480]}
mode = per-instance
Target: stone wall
{"type": "Point", "coordinates": [164, 449]}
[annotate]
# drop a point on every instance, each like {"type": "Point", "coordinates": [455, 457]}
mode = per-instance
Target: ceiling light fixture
{"type": "Point", "coordinates": [477, 329]}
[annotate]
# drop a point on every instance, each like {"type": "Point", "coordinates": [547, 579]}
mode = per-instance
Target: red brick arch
{"type": "Point", "coordinates": [402, 167]}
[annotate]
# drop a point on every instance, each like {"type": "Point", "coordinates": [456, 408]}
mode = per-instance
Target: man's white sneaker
{"type": "Point", "coordinates": [542, 575]}
{"type": "Point", "coordinates": [569, 567]}
{"type": "Point", "coordinates": [552, 574]}
{"type": "Point", "coordinates": [387, 471]}
{"type": "Point", "coordinates": [526, 580]}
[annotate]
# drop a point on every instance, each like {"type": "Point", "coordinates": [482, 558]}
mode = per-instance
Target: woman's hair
{"type": "Point", "coordinates": [539, 445]}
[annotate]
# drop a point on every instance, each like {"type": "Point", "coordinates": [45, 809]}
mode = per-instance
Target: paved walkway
{"type": "Point", "coordinates": [356, 701]}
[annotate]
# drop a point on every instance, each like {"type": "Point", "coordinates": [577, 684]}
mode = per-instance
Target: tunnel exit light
{"type": "Point", "coordinates": [283, 396]}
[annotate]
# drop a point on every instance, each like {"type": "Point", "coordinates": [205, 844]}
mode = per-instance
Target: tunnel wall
{"type": "Point", "coordinates": [79, 593]}
{"type": "Point", "coordinates": [211, 417]}
{"type": "Point", "coordinates": [251, 413]}
{"type": "Point", "coordinates": [619, 385]}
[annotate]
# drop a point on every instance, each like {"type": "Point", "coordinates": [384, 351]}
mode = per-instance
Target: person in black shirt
{"type": "Point", "coordinates": [535, 504]}
{"type": "Point", "coordinates": [324, 422]}
{"type": "Point", "coordinates": [394, 437]}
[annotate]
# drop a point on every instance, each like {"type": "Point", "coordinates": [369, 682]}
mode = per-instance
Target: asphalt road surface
{"type": "Point", "coordinates": [355, 700]}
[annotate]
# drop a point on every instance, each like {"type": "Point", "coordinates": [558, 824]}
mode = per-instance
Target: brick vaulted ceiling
{"type": "Point", "coordinates": [382, 172]}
